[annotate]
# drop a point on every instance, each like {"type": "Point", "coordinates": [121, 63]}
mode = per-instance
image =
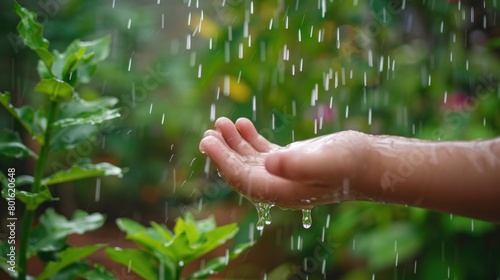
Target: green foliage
{"type": "Point", "coordinates": [11, 146]}
{"type": "Point", "coordinates": [166, 82]}
{"type": "Point", "coordinates": [59, 73]}
{"type": "Point", "coordinates": [166, 253]}
{"type": "Point", "coordinates": [50, 234]}
{"type": "Point", "coordinates": [68, 257]}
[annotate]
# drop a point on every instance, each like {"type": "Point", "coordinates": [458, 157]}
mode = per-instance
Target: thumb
{"type": "Point", "coordinates": [303, 166]}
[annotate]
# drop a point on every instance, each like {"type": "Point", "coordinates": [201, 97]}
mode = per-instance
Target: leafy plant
{"type": "Point", "coordinates": [65, 123]}
{"type": "Point", "coordinates": [164, 254]}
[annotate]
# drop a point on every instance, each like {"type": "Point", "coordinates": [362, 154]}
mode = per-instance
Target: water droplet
{"type": "Point", "coordinates": [306, 218]}
{"type": "Point", "coordinates": [263, 211]}
{"type": "Point", "coordinates": [181, 263]}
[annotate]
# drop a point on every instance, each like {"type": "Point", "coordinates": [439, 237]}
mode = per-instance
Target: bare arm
{"type": "Point", "coordinates": [455, 177]}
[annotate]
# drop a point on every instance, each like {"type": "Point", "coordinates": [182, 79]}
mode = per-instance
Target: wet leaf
{"type": "Point", "coordinates": [459, 224]}
{"type": "Point", "coordinates": [33, 200]}
{"type": "Point", "coordinates": [51, 232]}
{"type": "Point", "coordinates": [139, 262]}
{"type": "Point", "coordinates": [70, 137]}
{"type": "Point", "coordinates": [78, 63]}
{"type": "Point", "coordinates": [187, 227]}
{"type": "Point", "coordinates": [68, 257]}
{"type": "Point", "coordinates": [11, 146]}
{"type": "Point", "coordinates": [219, 263]}
{"type": "Point", "coordinates": [186, 251]}
{"type": "Point", "coordinates": [145, 237]}
{"type": "Point", "coordinates": [78, 172]}
{"type": "Point", "coordinates": [72, 271]}
{"type": "Point", "coordinates": [55, 88]}
{"type": "Point", "coordinates": [33, 121]}
{"type": "Point", "coordinates": [99, 272]}
{"type": "Point", "coordinates": [79, 111]}
{"type": "Point", "coordinates": [32, 34]}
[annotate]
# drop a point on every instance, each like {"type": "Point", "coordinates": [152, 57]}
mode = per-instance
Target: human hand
{"type": "Point", "coordinates": [301, 175]}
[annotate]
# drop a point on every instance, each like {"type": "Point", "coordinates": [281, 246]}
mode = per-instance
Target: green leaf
{"type": "Point", "coordinates": [79, 111]}
{"type": "Point", "coordinates": [72, 271]}
{"type": "Point", "coordinates": [33, 200]}
{"type": "Point", "coordinates": [78, 172]}
{"type": "Point", "coordinates": [76, 119]}
{"type": "Point", "coordinates": [78, 63]}
{"type": "Point", "coordinates": [139, 262]}
{"type": "Point", "coordinates": [94, 118]}
{"type": "Point", "coordinates": [220, 263]}
{"type": "Point", "coordinates": [55, 88]}
{"type": "Point", "coordinates": [51, 232]}
{"type": "Point", "coordinates": [70, 137]}
{"type": "Point", "coordinates": [71, 62]}
{"type": "Point", "coordinates": [145, 237]}
{"type": "Point", "coordinates": [32, 34]}
{"type": "Point", "coordinates": [11, 146]}
{"type": "Point", "coordinates": [189, 228]}
{"type": "Point", "coordinates": [129, 226]}
{"type": "Point", "coordinates": [33, 121]}
{"type": "Point", "coordinates": [99, 272]}
{"type": "Point", "coordinates": [96, 51]}
{"type": "Point", "coordinates": [163, 232]}
{"type": "Point", "coordinates": [213, 239]}
{"type": "Point", "coordinates": [185, 251]}
{"type": "Point", "coordinates": [468, 226]}
{"type": "Point", "coordinates": [67, 257]}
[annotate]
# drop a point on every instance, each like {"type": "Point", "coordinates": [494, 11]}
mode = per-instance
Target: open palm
{"type": "Point", "coordinates": [300, 175]}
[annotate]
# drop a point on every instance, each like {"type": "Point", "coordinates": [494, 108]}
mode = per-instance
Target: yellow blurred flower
{"type": "Point", "coordinates": [237, 91]}
{"type": "Point", "coordinates": [207, 27]}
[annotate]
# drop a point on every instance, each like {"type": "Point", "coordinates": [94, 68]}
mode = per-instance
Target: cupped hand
{"type": "Point", "coordinates": [300, 175]}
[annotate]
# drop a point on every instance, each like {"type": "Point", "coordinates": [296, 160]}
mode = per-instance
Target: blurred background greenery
{"type": "Point", "coordinates": [425, 69]}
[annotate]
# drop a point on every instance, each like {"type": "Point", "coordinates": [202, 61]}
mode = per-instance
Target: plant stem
{"type": "Point", "coordinates": [29, 214]}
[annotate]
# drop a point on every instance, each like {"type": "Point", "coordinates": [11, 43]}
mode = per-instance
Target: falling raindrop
{"type": "Point", "coordinates": [97, 190]}
{"type": "Point", "coordinates": [306, 218]}
{"type": "Point", "coordinates": [370, 116]}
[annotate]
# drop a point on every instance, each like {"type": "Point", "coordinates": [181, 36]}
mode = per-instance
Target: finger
{"type": "Point", "coordinates": [250, 134]}
{"type": "Point", "coordinates": [233, 137]}
{"type": "Point", "coordinates": [261, 186]}
{"type": "Point", "coordinates": [215, 134]}
{"type": "Point", "coordinates": [228, 162]}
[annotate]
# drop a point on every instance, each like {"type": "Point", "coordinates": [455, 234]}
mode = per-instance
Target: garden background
{"type": "Point", "coordinates": [427, 69]}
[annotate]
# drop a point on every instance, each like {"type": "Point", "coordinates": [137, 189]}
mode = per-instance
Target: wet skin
{"type": "Point", "coordinates": [454, 177]}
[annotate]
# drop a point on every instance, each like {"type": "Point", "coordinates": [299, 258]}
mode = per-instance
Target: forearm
{"type": "Point", "coordinates": [454, 177]}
